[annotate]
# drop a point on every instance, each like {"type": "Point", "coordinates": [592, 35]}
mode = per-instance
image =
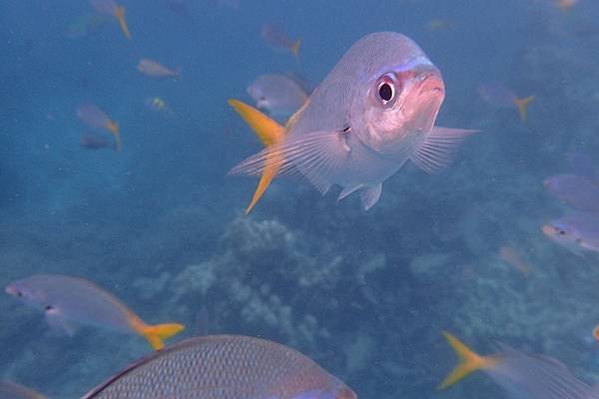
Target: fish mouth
{"type": "Point", "coordinates": [548, 230]}
{"type": "Point", "coordinates": [430, 82]}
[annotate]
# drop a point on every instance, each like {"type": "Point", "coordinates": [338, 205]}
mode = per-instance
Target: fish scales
{"type": "Point", "coordinates": [221, 367]}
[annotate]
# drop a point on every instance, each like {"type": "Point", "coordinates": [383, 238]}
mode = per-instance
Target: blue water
{"type": "Point", "coordinates": [365, 294]}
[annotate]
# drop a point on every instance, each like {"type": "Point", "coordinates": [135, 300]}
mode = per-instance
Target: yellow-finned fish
{"type": "Point", "coordinates": [110, 7]}
{"type": "Point", "coordinates": [499, 95]}
{"type": "Point", "coordinates": [532, 376]}
{"type": "Point", "coordinates": [94, 117]}
{"type": "Point", "coordinates": [276, 37]}
{"type": "Point", "coordinates": [375, 111]}
{"type": "Point", "coordinates": [68, 302]}
{"type": "Point", "coordinates": [154, 69]}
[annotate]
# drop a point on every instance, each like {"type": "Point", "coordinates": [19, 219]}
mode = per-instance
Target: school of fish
{"type": "Point", "coordinates": [375, 111]}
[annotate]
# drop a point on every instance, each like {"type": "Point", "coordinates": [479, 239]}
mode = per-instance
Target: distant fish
{"type": "Point", "coordinates": [566, 5]}
{"type": "Point", "coordinates": [231, 4]}
{"type": "Point", "coordinates": [509, 255]}
{"type": "Point", "coordinates": [578, 233]}
{"type": "Point", "coordinates": [179, 7]}
{"type": "Point", "coordinates": [280, 95]}
{"type": "Point", "coordinates": [374, 111]}
{"type": "Point", "coordinates": [224, 367]}
{"type": "Point", "coordinates": [499, 95]}
{"type": "Point", "coordinates": [579, 192]}
{"type": "Point", "coordinates": [110, 7]}
{"type": "Point", "coordinates": [94, 142]}
{"type": "Point", "coordinates": [12, 390]}
{"type": "Point", "coordinates": [95, 118]}
{"type": "Point", "coordinates": [69, 302]}
{"type": "Point", "coordinates": [530, 376]}
{"type": "Point", "coordinates": [157, 104]}
{"type": "Point", "coordinates": [83, 25]}
{"type": "Point", "coordinates": [276, 37]}
{"type": "Point", "coordinates": [154, 69]}
{"type": "Point", "coordinates": [438, 24]}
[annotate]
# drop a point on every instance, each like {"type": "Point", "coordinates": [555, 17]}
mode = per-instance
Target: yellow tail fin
{"type": "Point", "coordinates": [120, 16]}
{"type": "Point", "coordinates": [115, 130]}
{"type": "Point", "coordinates": [522, 104]}
{"type": "Point", "coordinates": [468, 361]}
{"type": "Point", "coordinates": [295, 48]}
{"type": "Point", "coordinates": [269, 132]}
{"type": "Point", "coordinates": [155, 334]}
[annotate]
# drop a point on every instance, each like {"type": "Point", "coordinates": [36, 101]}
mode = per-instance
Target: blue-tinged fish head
{"type": "Point", "coordinates": [565, 233]}
{"type": "Point", "coordinates": [399, 105]}
{"type": "Point", "coordinates": [26, 293]}
{"type": "Point", "coordinates": [255, 91]}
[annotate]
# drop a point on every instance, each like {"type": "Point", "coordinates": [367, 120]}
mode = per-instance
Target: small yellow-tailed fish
{"type": "Point", "coordinates": [522, 375]}
{"type": "Point", "coordinates": [157, 104]}
{"type": "Point", "coordinates": [224, 367]}
{"type": "Point", "coordinates": [92, 116]}
{"type": "Point", "coordinates": [12, 390]}
{"type": "Point", "coordinates": [68, 302]}
{"type": "Point", "coordinates": [275, 36]}
{"type": "Point", "coordinates": [374, 111]}
{"type": "Point", "coordinates": [110, 7]}
{"type": "Point", "coordinates": [578, 232]}
{"type": "Point", "coordinates": [499, 95]}
{"type": "Point", "coordinates": [154, 69]}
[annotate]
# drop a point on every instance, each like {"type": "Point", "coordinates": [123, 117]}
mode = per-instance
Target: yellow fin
{"type": "Point", "coordinates": [155, 334]}
{"type": "Point", "coordinates": [295, 48]}
{"type": "Point", "coordinates": [468, 362]}
{"type": "Point", "coordinates": [115, 130]}
{"type": "Point", "coordinates": [270, 133]}
{"type": "Point", "coordinates": [522, 104]}
{"type": "Point", "coordinates": [120, 16]}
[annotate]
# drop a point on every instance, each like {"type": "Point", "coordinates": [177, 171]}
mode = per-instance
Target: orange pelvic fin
{"type": "Point", "coordinates": [270, 133]}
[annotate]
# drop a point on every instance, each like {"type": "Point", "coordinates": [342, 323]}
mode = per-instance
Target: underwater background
{"type": "Point", "coordinates": [364, 294]}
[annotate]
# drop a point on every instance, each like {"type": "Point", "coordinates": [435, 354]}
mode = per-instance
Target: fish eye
{"type": "Point", "coordinates": [19, 294]}
{"type": "Point", "coordinates": [386, 89]}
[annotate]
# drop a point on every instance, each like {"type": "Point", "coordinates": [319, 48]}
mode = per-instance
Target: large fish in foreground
{"type": "Point", "coordinates": [374, 111]}
{"type": "Point", "coordinates": [224, 367]}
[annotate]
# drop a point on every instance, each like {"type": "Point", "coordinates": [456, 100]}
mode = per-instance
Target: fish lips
{"type": "Point", "coordinates": [431, 81]}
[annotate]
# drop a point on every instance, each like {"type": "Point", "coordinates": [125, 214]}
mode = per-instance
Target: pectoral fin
{"type": "Point", "coordinates": [315, 155]}
{"type": "Point", "coordinates": [438, 150]}
{"type": "Point", "coordinates": [58, 323]}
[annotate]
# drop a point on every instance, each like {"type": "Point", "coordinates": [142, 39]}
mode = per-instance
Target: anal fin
{"type": "Point", "coordinates": [370, 195]}
{"type": "Point", "coordinates": [347, 191]}
{"type": "Point", "coordinates": [58, 323]}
